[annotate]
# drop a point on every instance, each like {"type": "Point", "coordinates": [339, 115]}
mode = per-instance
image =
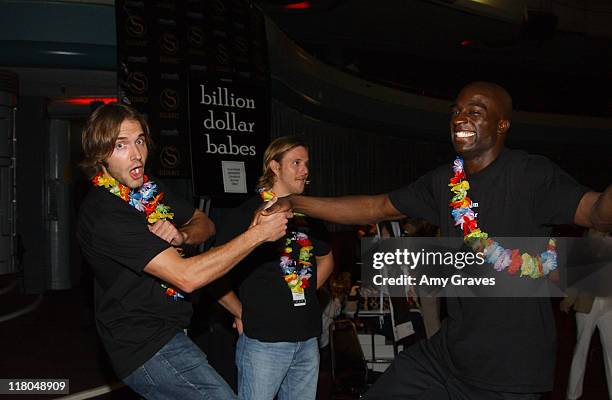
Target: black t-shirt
{"type": "Point", "coordinates": [504, 344]}
{"type": "Point", "coordinates": [134, 316]}
{"type": "Point", "coordinates": [268, 313]}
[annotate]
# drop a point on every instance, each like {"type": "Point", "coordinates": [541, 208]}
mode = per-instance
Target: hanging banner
{"type": "Point", "coordinates": [229, 127]}
{"type": "Point", "coordinates": [229, 99]}
{"type": "Point", "coordinates": [165, 49]}
{"type": "Point", "coordinates": [152, 75]}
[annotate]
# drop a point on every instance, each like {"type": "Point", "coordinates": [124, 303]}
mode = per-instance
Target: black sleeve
{"type": "Point", "coordinates": [122, 235]}
{"type": "Point", "coordinates": [320, 237]}
{"type": "Point", "coordinates": [320, 248]}
{"type": "Point", "coordinates": [235, 221]}
{"type": "Point", "coordinates": [417, 200]}
{"type": "Point", "coordinates": [556, 194]}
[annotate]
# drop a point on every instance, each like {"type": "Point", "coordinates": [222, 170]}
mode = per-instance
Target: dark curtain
{"type": "Point", "coordinates": [349, 161]}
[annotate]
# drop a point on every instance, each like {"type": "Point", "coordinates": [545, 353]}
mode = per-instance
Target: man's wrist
{"type": "Point", "coordinates": [253, 235]}
{"type": "Point", "coordinates": [179, 239]}
{"type": "Point", "coordinates": [294, 201]}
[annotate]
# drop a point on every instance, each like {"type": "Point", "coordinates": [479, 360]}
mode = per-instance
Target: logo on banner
{"type": "Point", "coordinates": [169, 99]}
{"type": "Point", "coordinates": [137, 82]}
{"type": "Point", "coordinates": [222, 54]}
{"type": "Point", "coordinates": [195, 14]}
{"type": "Point", "coordinates": [218, 8]}
{"type": "Point", "coordinates": [241, 45]}
{"type": "Point", "coordinates": [166, 21]}
{"type": "Point", "coordinates": [169, 44]}
{"type": "Point", "coordinates": [170, 76]}
{"type": "Point", "coordinates": [167, 6]}
{"type": "Point", "coordinates": [138, 59]}
{"type": "Point", "coordinates": [134, 4]}
{"type": "Point", "coordinates": [136, 26]}
{"type": "Point", "coordinates": [196, 36]}
{"type": "Point", "coordinates": [170, 157]}
{"type": "Point", "coordinates": [239, 8]}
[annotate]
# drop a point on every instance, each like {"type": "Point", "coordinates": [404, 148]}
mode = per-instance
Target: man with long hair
{"type": "Point", "coordinates": [129, 229]}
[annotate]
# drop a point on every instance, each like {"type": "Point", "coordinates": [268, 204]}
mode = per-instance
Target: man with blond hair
{"type": "Point", "coordinates": [277, 353]}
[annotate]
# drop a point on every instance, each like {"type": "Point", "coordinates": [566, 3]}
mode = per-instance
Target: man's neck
{"type": "Point", "coordinates": [478, 163]}
{"type": "Point", "coordinates": [107, 175]}
{"type": "Point", "coordinates": [280, 191]}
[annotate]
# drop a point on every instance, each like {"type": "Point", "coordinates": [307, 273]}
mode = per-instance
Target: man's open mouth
{"type": "Point", "coordinates": [136, 173]}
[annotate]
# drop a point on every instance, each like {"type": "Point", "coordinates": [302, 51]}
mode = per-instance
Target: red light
{"type": "Point", "coordinates": [303, 5]}
{"type": "Point", "coordinates": [465, 43]}
{"type": "Point", "coordinates": [85, 101]}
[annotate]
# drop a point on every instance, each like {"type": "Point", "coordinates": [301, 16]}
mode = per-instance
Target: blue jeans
{"type": "Point", "coordinates": [179, 370]}
{"type": "Point", "coordinates": [290, 369]}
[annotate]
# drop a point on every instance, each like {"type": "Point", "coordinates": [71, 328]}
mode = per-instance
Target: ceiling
{"type": "Point", "coordinates": [591, 17]}
{"type": "Point", "coordinates": [558, 61]}
{"type": "Point", "coordinates": [562, 50]}
{"type": "Point", "coordinates": [430, 26]}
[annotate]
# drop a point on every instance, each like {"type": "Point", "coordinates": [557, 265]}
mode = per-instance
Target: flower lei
{"type": "Point", "coordinates": [297, 280]}
{"type": "Point", "coordinates": [144, 200]}
{"type": "Point", "coordinates": [511, 260]}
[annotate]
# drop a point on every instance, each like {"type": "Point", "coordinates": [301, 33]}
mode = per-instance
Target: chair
{"type": "Point", "coordinates": [349, 367]}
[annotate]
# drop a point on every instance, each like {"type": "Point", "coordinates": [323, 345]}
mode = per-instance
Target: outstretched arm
{"type": "Point", "coordinates": [349, 210]}
{"type": "Point", "coordinates": [188, 274]}
{"type": "Point", "coordinates": [595, 210]}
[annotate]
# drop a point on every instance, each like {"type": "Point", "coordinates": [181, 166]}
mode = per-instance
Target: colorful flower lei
{"type": "Point", "coordinates": [511, 260]}
{"type": "Point", "coordinates": [296, 279]}
{"type": "Point", "coordinates": [144, 200]}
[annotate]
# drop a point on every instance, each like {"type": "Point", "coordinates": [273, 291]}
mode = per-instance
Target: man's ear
{"type": "Point", "coordinates": [275, 167]}
{"type": "Point", "coordinates": [502, 126]}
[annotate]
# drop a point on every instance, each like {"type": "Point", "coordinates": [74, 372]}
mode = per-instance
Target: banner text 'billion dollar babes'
{"type": "Point", "coordinates": [226, 118]}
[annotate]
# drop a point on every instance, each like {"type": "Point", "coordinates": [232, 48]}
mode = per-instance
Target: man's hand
{"type": "Point", "coordinates": [565, 306]}
{"type": "Point", "coordinates": [238, 325]}
{"type": "Point", "coordinates": [276, 206]}
{"type": "Point", "coordinates": [198, 229]}
{"type": "Point", "coordinates": [271, 227]}
{"type": "Point", "coordinates": [258, 211]}
{"type": "Point", "coordinates": [595, 210]}
{"type": "Point", "coordinates": [168, 232]}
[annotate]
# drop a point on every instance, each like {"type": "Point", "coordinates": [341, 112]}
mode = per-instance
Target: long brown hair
{"type": "Point", "coordinates": [101, 132]}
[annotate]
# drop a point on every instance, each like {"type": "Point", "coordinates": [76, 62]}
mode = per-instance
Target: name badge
{"type": "Point", "coordinates": [298, 299]}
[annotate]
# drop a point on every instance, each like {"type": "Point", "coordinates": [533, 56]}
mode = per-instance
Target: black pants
{"type": "Point", "coordinates": [419, 373]}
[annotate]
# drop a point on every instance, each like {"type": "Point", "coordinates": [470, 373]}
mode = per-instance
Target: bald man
{"type": "Point", "coordinates": [487, 348]}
